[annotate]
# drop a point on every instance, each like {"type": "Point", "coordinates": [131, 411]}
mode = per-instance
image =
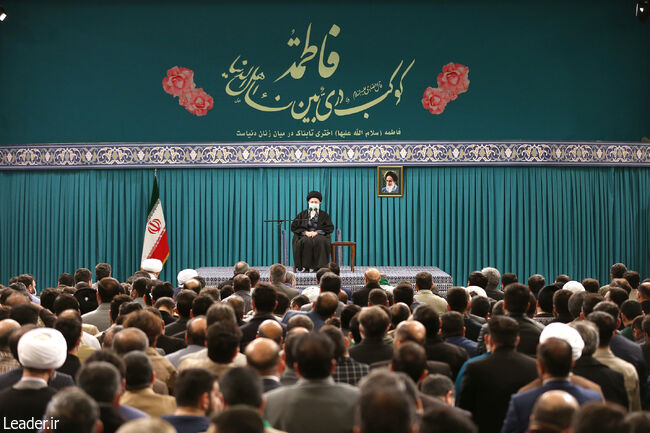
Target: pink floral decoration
{"type": "Point", "coordinates": [179, 82]}
{"type": "Point", "coordinates": [454, 79]}
{"type": "Point", "coordinates": [197, 102]}
{"type": "Point", "coordinates": [435, 100]}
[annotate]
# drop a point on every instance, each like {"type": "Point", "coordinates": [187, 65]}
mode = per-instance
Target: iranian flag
{"type": "Point", "coordinates": [155, 244]}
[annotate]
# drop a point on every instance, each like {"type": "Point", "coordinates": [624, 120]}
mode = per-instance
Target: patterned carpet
{"type": "Point", "coordinates": [395, 274]}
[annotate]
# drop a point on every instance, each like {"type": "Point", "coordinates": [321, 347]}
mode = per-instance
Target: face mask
{"type": "Point", "coordinates": [313, 206]}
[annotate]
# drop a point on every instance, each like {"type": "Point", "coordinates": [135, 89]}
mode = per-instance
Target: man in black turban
{"type": "Point", "coordinates": [311, 241]}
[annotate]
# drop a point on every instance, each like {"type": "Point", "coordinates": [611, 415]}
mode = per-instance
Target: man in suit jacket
{"type": "Point", "coordinates": [458, 300]}
{"type": "Point", "coordinates": [515, 303]}
{"type": "Point", "coordinates": [324, 308]}
{"type": "Point", "coordinates": [373, 325]}
{"type": "Point", "coordinates": [315, 404]}
{"type": "Point", "coordinates": [412, 330]}
{"type": "Point", "coordinates": [184, 309]}
{"type": "Point", "coordinates": [107, 289]}
{"type": "Point", "coordinates": [493, 278]}
{"type": "Point", "coordinates": [372, 277]}
{"type": "Point", "coordinates": [611, 382]}
{"type": "Point", "coordinates": [554, 362]}
{"type": "Point", "coordinates": [488, 383]}
{"type": "Point", "coordinates": [277, 272]}
{"type": "Point", "coordinates": [264, 302]}
{"type": "Point", "coordinates": [242, 288]}
{"type": "Point", "coordinates": [437, 348]}
{"type": "Point", "coordinates": [263, 355]}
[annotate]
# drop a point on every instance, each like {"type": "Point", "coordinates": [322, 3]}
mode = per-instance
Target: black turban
{"type": "Point", "coordinates": [314, 194]}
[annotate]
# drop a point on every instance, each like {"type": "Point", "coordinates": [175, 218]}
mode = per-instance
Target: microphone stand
{"type": "Point", "coordinates": [279, 223]}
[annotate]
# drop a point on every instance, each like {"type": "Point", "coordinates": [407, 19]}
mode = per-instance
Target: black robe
{"type": "Point", "coordinates": [311, 253]}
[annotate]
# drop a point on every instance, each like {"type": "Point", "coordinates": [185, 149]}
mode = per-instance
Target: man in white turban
{"type": "Point", "coordinates": [40, 351]}
{"type": "Point", "coordinates": [152, 266]}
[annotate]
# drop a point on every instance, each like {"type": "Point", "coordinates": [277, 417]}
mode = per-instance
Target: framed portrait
{"type": "Point", "coordinates": [390, 181]}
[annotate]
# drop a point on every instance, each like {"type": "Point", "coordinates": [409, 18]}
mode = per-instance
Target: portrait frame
{"type": "Point", "coordinates": [382, 170]}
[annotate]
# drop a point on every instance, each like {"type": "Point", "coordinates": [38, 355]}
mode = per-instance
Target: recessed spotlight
{"type": "Point", "coordinates": [3, 14]}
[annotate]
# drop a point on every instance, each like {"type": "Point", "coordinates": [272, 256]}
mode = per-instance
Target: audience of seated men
{"type": "Point", "coordinates": [310, 369]}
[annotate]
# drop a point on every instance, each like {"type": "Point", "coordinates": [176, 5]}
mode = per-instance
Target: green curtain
{"type": "Point", "coordinates": [550, 220]}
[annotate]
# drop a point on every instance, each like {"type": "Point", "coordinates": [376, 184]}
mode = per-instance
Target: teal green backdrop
{"type": "Point", "coordinates": [92, 70]}
{"type": "Point", "coordinates": [520, 219]}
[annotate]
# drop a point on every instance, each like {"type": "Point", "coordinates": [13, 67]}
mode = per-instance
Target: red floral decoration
{"type": "Point", "coordinates": [435, 100]}
{"type": "Point", "coordinates": [197, 102]}
{"type": "Point", "coordinates": [179, 82]}
{"type": "Point", "coordinates": [452, 81]}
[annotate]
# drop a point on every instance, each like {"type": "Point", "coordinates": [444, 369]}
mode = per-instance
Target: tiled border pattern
{"type": "Point", "coordinates": [352, 153]}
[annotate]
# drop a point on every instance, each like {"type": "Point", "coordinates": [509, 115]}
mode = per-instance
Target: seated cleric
{"type": "Point", "coordinates": [311, 241]}
{"type": "Point", "coordinates": [392, 186]}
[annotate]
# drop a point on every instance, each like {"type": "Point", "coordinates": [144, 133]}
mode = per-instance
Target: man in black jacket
{"type": "Point", "coordinates": [373, 324]}
{"type": "Point", "coordinates": [611, 382]}
{"type": "Point", "coordinates": [489, 382]}
{"type": "Point", "coordinates": [184, 309]}
{"type": "Point", "coordinates": [515, 303]}
{"type": "Point", "coordinates": [264, 301]}
{"type": "Point", "coordinates": [437, 349]}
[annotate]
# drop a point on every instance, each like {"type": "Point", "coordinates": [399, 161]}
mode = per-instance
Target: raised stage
{"type": "Point", "coordinates": [352, 280]}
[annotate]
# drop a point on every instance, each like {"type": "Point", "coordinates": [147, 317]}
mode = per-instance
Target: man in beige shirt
{"type": "Point", "coordinates": [425, 293]}
{"type": "Point", "coordinates": [139, 387]}
{"type": "Point", "coordinates": [130, 339]}
{"type": "Point", "coordinates": [606, 329]}
{"type": "Point", "coordinates": [151, 325]}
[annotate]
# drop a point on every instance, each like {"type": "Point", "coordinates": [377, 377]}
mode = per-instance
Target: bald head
{"type": "Point", "coordinates": [554, 410]}
{"type": "Point", "coordinates": [241, 268]}
{"type": "Point", "coordinates": [270, 329]}
{"type": "Point", "coordinates": [193, 285]}
{"type": "Point", "coordinates": [8, 325]}
{"type": "Point", "coordinates": [130, 339]}
{"type": "Point", "coordinates": [109, 334]}
{"type": "Point", "coordinates": [263, 354]}
{"type": "Point", "coordinates": [196, 330]}
{"type": "Point", "coordinates": [410, 330]}
{"type": "Point", "coordinates": [69, 314]}
{"type": "Point", "coordinates": [372, 275]}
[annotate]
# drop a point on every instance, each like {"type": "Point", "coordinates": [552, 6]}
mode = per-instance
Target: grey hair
{"type": "Point", "coordinates": [589, 334]}
{"type": "Point", "coordinates": [493, 276]}
{"type": "Point", "coordinates": [71, 409]}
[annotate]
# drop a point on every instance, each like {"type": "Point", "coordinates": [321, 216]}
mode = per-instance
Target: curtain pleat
{"type": "Point", "coordinates": [547, 220]}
